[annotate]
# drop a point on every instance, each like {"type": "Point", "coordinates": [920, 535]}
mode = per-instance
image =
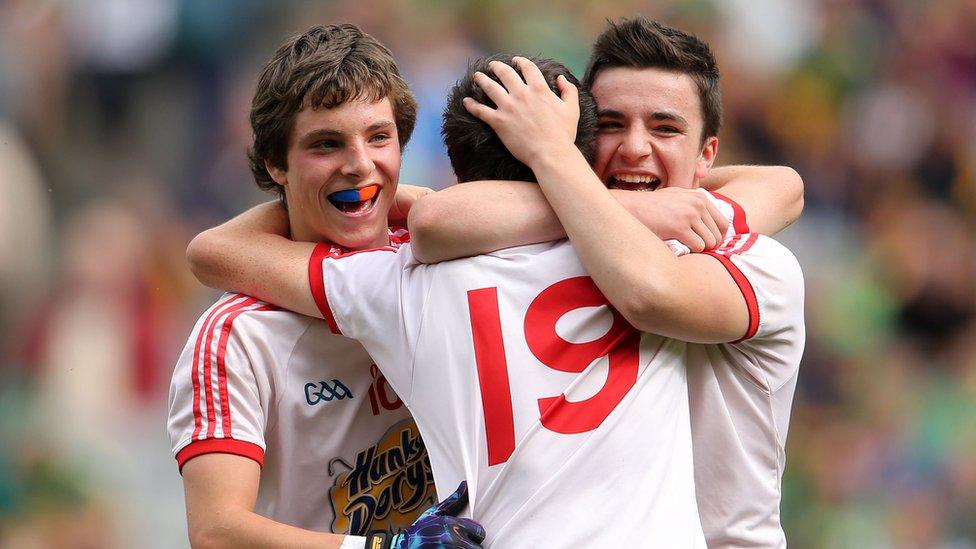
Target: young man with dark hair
{"type": "Point", "coordinates": [741, 303]}
{"type": "Point", "coordinates": [282, 431]}
{"type": "Point", "coordinates": [476, 153]}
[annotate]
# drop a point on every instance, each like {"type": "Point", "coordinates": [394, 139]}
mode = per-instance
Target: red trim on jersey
{"type": "Point", "coordinates": [738, 214]}
{"type": "Point", "coordinates": [747, 292]}
{"type": "Point", "coordinates": [729, 244]}
{"type": "Point", "coordinates": [197, 414]}
{"type": "Point", "coordinates": [316, 275]}
{"type": "Point", "coordinates": [208, 361]}
{"type": "Point", "coordinates": [344, 255]}
{"type": "Point", "coordinates": [753, 237]}
{"type": "Point", "coordinates": [316, 281]}
{"type": "Point", "coordinates": [220, 446]}
{"type": "Point", "coordinates": [398, 236]}
{"type": "Point", "coordinates": [222, 369]}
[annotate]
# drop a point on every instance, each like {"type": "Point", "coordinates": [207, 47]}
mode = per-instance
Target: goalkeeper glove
{"type": "Point", "coordinates": [437, 528]}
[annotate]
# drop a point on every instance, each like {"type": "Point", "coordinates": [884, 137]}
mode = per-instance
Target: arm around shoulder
{"type": "Point", "coordinates": [480, 217]}
{"type": "Point", "coordinates": [250, 255]}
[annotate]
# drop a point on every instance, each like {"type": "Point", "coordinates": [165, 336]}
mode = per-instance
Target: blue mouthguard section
{"type": "Point", "coordinates": [348, 195]}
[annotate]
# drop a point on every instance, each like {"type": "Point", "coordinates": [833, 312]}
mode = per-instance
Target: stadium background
{"type": "Point", "coordinates": [122, 133]}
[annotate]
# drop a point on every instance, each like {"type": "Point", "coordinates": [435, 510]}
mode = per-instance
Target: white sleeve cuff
{"type": "Point", "coordinates": [678, 248]}
{"type": "Point", "coordinates": [353, 542]}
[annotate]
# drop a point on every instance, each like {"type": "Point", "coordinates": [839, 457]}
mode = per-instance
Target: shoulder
{"type": "Point", "coordinates": [238, 319]}
{"type": "Point", "coordinates": [760, 251]}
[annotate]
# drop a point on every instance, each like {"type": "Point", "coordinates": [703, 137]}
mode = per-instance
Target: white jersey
{"type": "Point", "coordinates": [339, 451]}
{"type": "Point", "coordinates": [741, 394]}
{"type": "Point", "coordinates": [571, 428]}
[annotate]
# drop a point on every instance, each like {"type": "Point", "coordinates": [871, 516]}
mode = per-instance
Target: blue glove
{"type": "Point", "coordinates": [437, 528]}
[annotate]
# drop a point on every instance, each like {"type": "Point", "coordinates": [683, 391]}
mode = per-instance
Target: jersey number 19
{"type": "Point", "coordinates": [621, 345]}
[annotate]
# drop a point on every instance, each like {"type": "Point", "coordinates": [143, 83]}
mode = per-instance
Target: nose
{"type": "Point", "coordinates": [636, 145]}
{"type": "Point", "coordinates": [357, 161]}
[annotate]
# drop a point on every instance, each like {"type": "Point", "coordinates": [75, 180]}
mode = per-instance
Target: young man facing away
{"type": "Point", "coordinates": [284, 432]}
{"type": "Point", "coordinates": [742, 303]}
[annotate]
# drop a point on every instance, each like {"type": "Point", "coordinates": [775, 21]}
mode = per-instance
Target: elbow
{"type": "Point", "coordinates": [422, 223]}
{"type": "Point", "coordinates": [201, 255]}
{"type": "Point", "coordinates": [793, 185]}
{"type": "Point", "coordinates": [210, 536]}
{"type": "Point", "coordinates": [645, 307]}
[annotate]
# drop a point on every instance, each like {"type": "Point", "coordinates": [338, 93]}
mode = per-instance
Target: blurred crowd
{"type": "Point", "coordinates": [123, 126]}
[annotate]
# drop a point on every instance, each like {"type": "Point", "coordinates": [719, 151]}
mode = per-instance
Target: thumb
{"type": "Point", "coordinates": [454, 503]}
{"type": "Point", "coordinates": [567, 91]}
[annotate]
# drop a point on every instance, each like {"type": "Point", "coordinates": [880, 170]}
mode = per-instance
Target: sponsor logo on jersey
{"type": "Point", "coordinates": [326, 391]}
{"type": "Point", "coordinates": [389, 485]}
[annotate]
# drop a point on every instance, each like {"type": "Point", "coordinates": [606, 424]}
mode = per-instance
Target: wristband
{"type": "Point", "coordinates": [353, 542]}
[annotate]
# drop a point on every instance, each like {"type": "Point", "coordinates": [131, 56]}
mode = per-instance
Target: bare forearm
{"type": "Point", "coordinates": [248, 255]}
{"type": "Point", "coordinates": [235, 529]}
{"type": "Point", "coordinates": [220, 492]}
{"type": "Point", "coordinates": [483, 216]}
{"type": "Point", "coordinates": [480, 217]}
{"type": "Point", "coordinates": [624, 258]}
{"type": "Point", "coordinates": [772, 196]}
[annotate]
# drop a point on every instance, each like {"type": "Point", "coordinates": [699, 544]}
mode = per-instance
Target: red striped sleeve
{"type": "Point", "coordinates": [316, 281]}
{"type": "Point", "coordinates": [207, 326]}
{"type": "Point", "coordinates": [727, 246]}
{"type": "Point", "coordinates": [209, 362]}
{"type": "Point", "coordinates": [738, 214]}
{"type": "Point", "coordinates": [753, 237]}
{"type": "Point", "coordinates": [747, 292]}
{"type": "Point", "coordinates": [222, 370]}
{"type": "Point", "coordinates": [220, 446]}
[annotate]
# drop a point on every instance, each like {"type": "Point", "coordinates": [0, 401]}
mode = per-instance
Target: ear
{"type": "Point", "coordinates": [277, 174]}
{"type": "Point", "coordinates": [706, 158]}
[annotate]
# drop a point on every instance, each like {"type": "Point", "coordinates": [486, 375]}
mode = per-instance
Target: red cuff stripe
{"type": "Point", "coordinates": [747, 292]}
{"type": "Point", "coordinates": [220, 446]}
{"type": "Point", "coordinates": [738, 214]}
{"type": "Point", "coordinates": [216, 310]}
{"type": "Point", "coordinates": [316, 281]}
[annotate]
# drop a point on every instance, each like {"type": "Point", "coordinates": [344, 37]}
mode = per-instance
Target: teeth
{"type": "Point", "coordinates": [629, 178]}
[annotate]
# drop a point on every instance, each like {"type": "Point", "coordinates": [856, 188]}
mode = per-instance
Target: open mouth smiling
{"type": "Point", "coordinates": [629, 182]}
{"type": "Point", "coordinates": [355, 201]}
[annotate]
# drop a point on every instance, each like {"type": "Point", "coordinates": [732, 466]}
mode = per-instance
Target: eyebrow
{"type": "Point", "coordinates": [657, 116]}
{"type": "Point", "coordinates": [320, 133]}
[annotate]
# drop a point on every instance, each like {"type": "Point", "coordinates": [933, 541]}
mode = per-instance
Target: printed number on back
{"type": "Point", "coordinates": [621, 345]}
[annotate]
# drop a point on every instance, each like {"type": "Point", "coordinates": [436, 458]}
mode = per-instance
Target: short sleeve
{"type": "Point", "coordinates": [376, 297]}
{"type": "Point", "coordinates": [215, 402]}
{"type": "Point", "coordinates": [732, 211]}
{"type": "Point", "coordinates": [771, 282]}
{"type": "Point", "coordinates": [729, 209]}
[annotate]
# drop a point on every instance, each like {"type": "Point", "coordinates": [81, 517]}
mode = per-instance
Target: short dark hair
{"type": "Point", "coordinates": [640, 43]}
{"type": "Point", "coordinates": [476, 152]}
{"type": "Point", "coordinates": [323, 67]}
